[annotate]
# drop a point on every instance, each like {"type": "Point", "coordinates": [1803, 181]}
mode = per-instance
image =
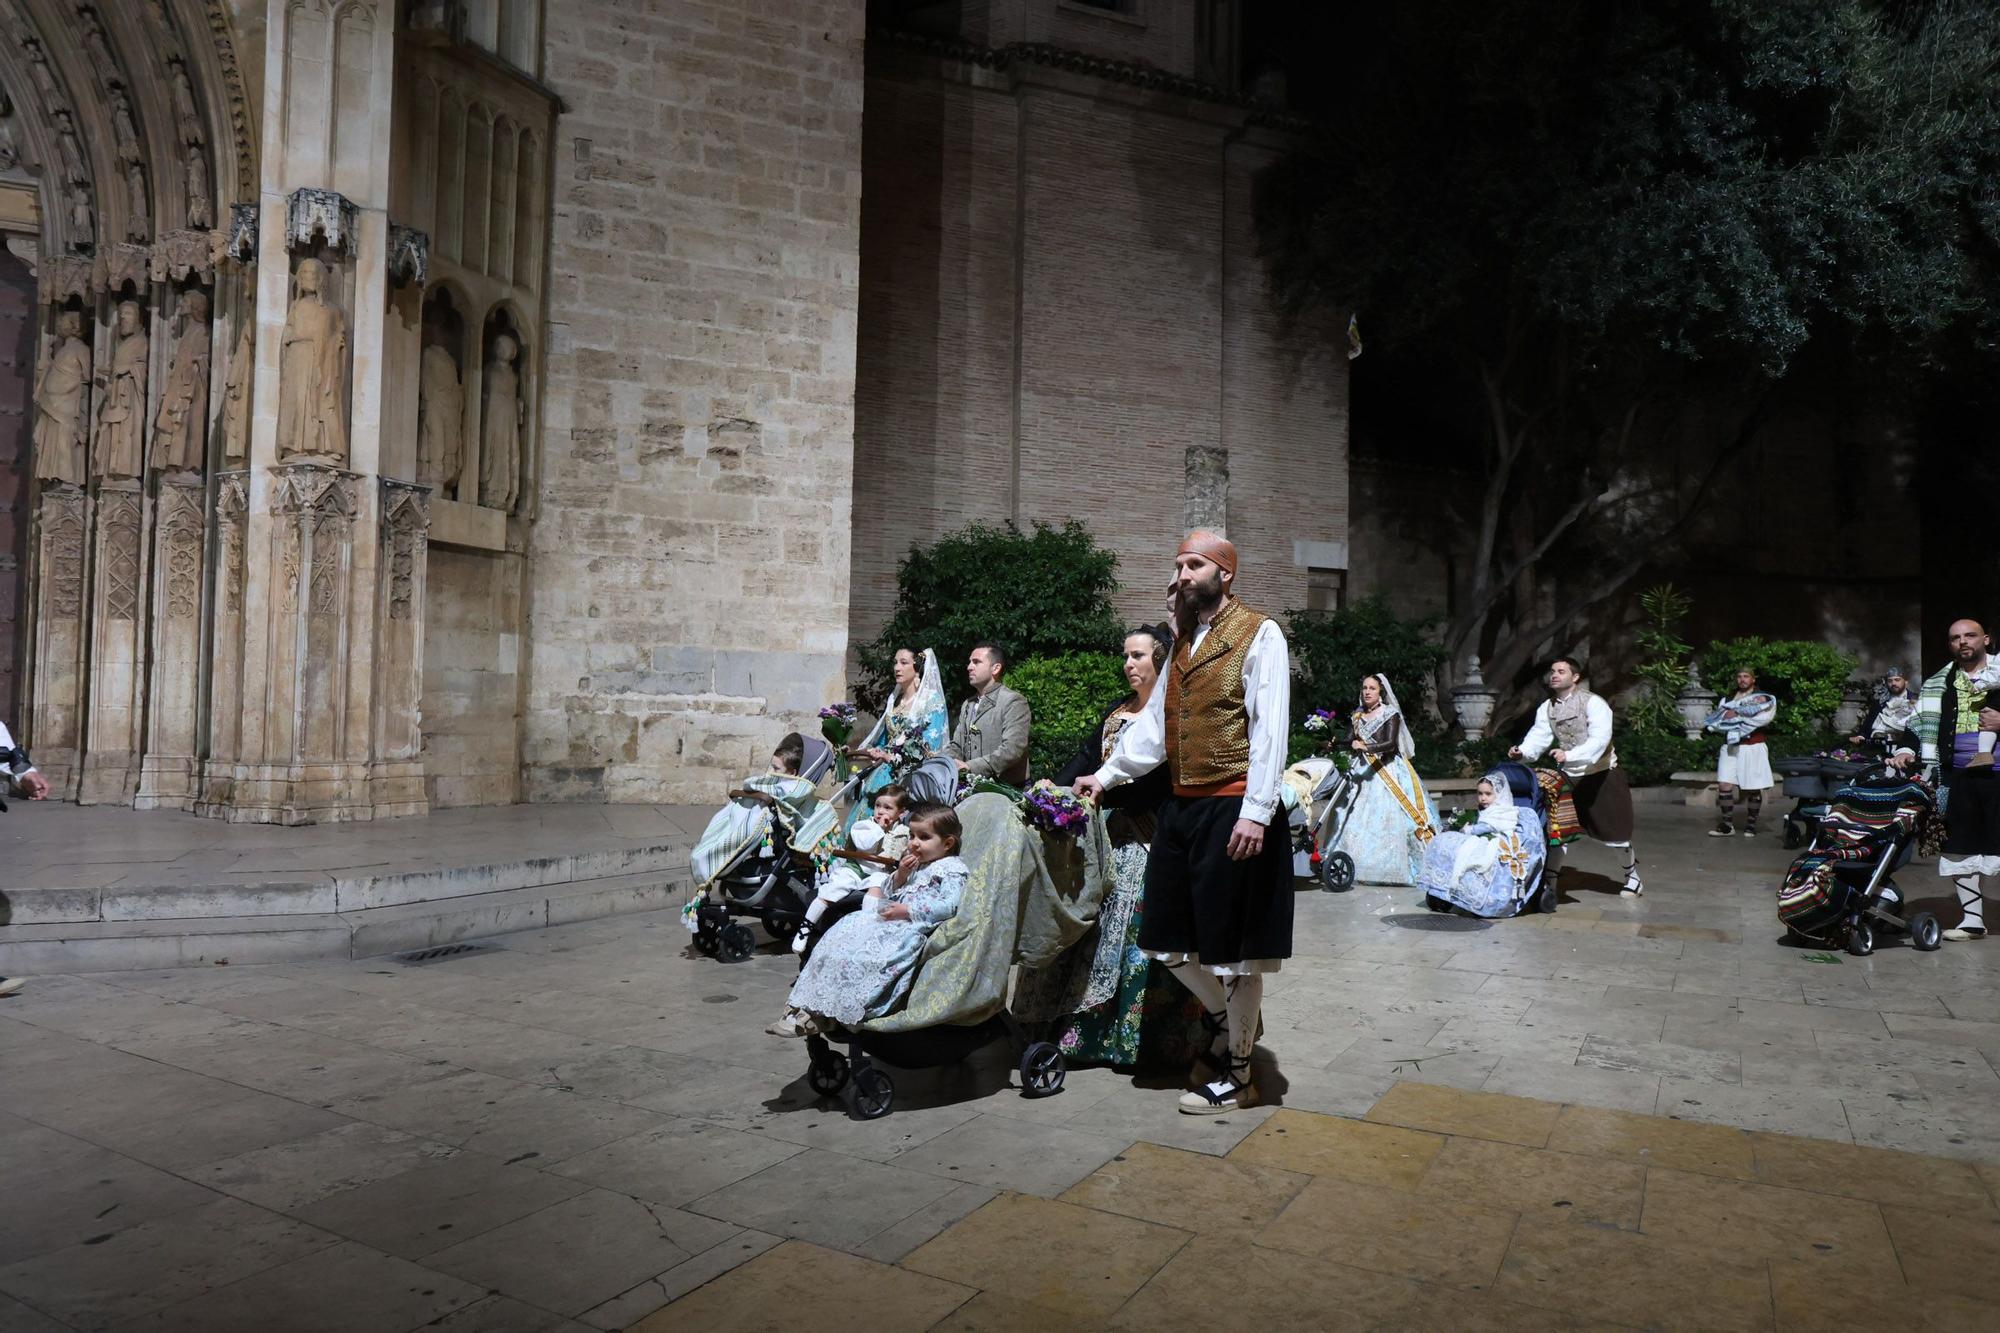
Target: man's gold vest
{"type": "Point", "coordinates": [1208, 722]}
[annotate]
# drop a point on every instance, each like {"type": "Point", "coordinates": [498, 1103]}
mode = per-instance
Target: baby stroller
{"type": "Point", "coordinates": [13, 760]}
{"type": "Point", "coordinates": [1811, 780]}
{"type": "Point", "coordinates": [1333, 802]}
{"type": "Point", "coordinates": [1529, 793]}
{"type": "Point", "coordinates": [1842, 890]}
{"type": "Point", "coordinates": [768, 880]}
{"type": "Point", "coordinates": [957, 1003]}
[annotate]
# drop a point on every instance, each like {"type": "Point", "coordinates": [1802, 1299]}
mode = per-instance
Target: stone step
{"type": "Point", "coordinates": [137, 944]}
{"type": "Point", "coordinates": [329, 894]}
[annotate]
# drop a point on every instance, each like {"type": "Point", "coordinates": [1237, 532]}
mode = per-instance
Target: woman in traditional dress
{"type": "Point", "coordinates": [1489, 867]}
{"type": "Point", "coordinates": [915, 716]}
{"type": "Point", "coordinates": [1105, 1002]}
{"type": "Point", "coordinates": [1392, 816]}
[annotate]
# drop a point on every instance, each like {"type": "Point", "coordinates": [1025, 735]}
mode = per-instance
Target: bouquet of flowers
{"type": "Point", "coordinates": [836, 723]}
{"type": "Point", "coordinates": [1846, 756]}
{"type": "Point", "coordinates": [1052, 809]}
{"type": "Point", "coordinates": [972, 785]}
{"type": "Point", "coordinates": [1460, 820]}
{"type": "Point", "coordinates": [1320, 722]}
{"type": "Point", "coordinates": [906, 752]}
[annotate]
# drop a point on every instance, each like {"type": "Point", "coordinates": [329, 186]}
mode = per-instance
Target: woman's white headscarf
{"type": "Point", "coordinates": [930, 688]}
{"type": "Point", "coordinates": [1480, 854]}
{"type": "Point", "coordinates": [1406, 744]}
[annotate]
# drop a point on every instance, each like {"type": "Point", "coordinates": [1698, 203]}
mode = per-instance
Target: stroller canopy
{"type": "Point", "coordinates": [1027, 899]}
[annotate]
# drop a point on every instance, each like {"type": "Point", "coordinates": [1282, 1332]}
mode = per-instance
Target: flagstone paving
{"type": "Point", "coordinates": [1630, 1113]}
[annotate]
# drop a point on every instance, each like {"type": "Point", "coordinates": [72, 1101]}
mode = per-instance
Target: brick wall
{"type": "Point", "coordinates": [690, 568]}
{"type": "Point", "coordinates": [1103, 239]}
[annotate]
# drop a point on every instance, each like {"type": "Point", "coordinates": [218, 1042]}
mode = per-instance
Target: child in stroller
{"type": "Point", "coordinates": [1841, 890]}
{"type": "Point", "coordinates": [863, 966]}
{"type": "Point", "coordinates": [1494, 866]}
{"type": "Point", "coordinates": [755, 859]}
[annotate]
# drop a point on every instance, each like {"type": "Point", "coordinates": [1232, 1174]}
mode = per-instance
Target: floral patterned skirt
{"type": "Point", "coordinates": [1111, 1004]}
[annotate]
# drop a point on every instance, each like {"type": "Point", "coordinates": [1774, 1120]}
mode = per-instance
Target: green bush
{"type": "Point", "coordinates": [1333, 650]}
{"type": "Point", "coordinates": [1068, 694]}
{"type": "Point", "coordinates": [1037, 594]}
{"type": "Point", "coordinates": [1807, 677]}
{"type": "Point", "coordinates": [1477, 758]}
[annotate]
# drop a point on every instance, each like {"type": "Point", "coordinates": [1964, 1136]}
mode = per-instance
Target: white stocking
{"type": "Point", "coordinates": [1246, 1001]}
{"type": "Point", "coordinates": [1970, 902]}
{"type": "Point", "coordinates": [1206, 988]}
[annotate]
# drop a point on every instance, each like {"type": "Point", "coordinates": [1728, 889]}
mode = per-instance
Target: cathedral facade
{"type": "Point", "coordinates": [427, 403]}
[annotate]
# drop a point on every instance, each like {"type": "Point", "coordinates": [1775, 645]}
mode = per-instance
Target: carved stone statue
{"type": "Point", "coordinates": [132, 161]}
{"type": "Point", "coordinates": [236, 397]}
{"type": "Point", "coordinates": [61, 432]}
{"type": "Point", "coordinates": [10, 147]}
{"type": "Point", "coordinates": [187, 120]}
{"type": "Point", "coordinates": [500, 432]}
{"type": "Point", "coordinates": [120, 451]}
{"type": "Point", "coordinates": [180, 427]}
{"type": "Point", "coordinates": [440, 421]}
{"type": "Point", "coordinates": [312, 372]}
{"type": "Point", "coordinates": [200, 211]}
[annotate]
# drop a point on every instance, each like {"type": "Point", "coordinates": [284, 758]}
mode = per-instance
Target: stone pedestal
{"type": "Point", "coordinates": [62, 524]}
{"type": "Point", "coordinates": [167, 775]}
{"type": "Point", "coordinates": [115, 708]}
{"type": "Point", "coordinates": [1695, 702]}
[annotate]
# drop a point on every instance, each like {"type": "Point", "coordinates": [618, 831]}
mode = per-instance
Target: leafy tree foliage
{"type": "Point", "coordinates": [1598, 230]}
{"type": "Point", "coordinates": [1068, 694]}
{"type": "Point", "coordinates": [1808, 678]}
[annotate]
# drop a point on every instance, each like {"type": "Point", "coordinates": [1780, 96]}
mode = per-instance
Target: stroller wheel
{"type": "Point", "coordinates": [738, 943]}
{"type": "Point", "coordinates": [1861, 939]}
{"type": "Point", "coordinates": [829, 1075]}
{"type": "Point", "coordinates": [1336, 872]}
{"type": "Point", "coordinates": [1795, 837]}
{"type": "Point", "coordinates": [782, 925]}
{"type": "Point", "coordinates": [1925, 933]}
{"type": "Point", "coordinates": [1041, 1070]}
{"type": "Point", "coordinates": [874, 1093]}
{"type": "Point", "coordinates": [708, 940]}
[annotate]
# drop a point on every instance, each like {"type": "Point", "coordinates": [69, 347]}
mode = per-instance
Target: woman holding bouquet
{"type": "Point", "coordinates": [912, 726]}
{"type": "Point", "coordinates": [1392, 816]}
{"type": "Point", "coordinates": [1111, 1004]}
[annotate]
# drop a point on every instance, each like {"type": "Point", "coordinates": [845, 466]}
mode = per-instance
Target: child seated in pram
{"type": "Point", "coordinates": [863, 966]}
{"type": "Point", "coordinates": [746, 820]}
{"type": "Point", "coordinates": [1490, 867]}
{"type": "Point", "coordinates": [885, 835]}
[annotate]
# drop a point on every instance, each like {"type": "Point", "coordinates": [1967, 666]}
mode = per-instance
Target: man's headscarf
{"type": "Point", "coordinates": [1211, 546]}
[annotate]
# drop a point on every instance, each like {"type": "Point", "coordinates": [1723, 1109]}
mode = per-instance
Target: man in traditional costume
{"type": "Point", "coordinates": [1218, 897]}
{"type": "Point", "coordinates": [1745, 762]}
{"type": "Point", "coordinates": [1955, 709]}
{"type": "Point", "coordinates": [1574, 728]}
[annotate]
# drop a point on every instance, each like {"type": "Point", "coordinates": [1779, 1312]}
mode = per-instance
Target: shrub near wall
{"type": "Point", "coordinates": [1068, 693]}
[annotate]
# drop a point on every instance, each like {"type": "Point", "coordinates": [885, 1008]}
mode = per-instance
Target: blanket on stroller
{"type": "Point", "coordinates": [744, 823]}
{"type": "Point", "coordinates": [1859, 825]}
{"type": "Point", "coordinates": [1028, 897]}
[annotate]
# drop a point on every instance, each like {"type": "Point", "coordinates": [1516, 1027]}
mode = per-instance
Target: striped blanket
{"type": "Point", "coordinates": [1860, 824]}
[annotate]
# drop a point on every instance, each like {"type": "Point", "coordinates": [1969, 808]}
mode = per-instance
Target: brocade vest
{"type": "Point", "coordinates": [1207, 713]}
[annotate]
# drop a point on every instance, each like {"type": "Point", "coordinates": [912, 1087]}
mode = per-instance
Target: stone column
{"type": "Point", "coordinates": [398, 779]}
{"type": "Point", "coordinates": [306, 725]}
{"type": "Point", "coordinates": [116, 707]}
{"type": "Point", "coordinates": [62, 520]}
{"type": "Point", "coordinates": [1207, 489]}
{"type": "Point", "coordinates": [173, 698]}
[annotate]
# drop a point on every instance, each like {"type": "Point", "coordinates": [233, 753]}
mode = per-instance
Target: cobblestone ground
{"type": "Point", "coordinates": [577, 1127]}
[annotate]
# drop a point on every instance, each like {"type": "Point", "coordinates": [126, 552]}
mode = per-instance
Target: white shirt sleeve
{"type": "Point", "coordinates": [1597, 739]}
{"type": "Point", "coordinates": [1764, 716]}
{"type": "Point", "coordinates": [1540, 736]}
{"type": "Point", "coordinates": [8, 773]}
{"type": "Point", "coordinates": [1267, 695]}
{"type": "Point", "coordinates": [1142, 745]}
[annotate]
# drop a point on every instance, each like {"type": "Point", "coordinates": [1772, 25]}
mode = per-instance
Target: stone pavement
{"type": "Point", "coordinates": [572, 1128]}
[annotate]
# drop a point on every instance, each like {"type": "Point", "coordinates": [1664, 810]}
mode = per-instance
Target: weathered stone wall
{"type": "Point", "coordinates": [472, 679]}
{"type": "Point", "coordinates": [1060, 296]}
{"type": "Point", "coordinates": [690, 568]}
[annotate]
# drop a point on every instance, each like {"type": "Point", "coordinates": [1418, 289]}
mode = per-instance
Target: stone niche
{"type": "Point", "coordinates": [465, 358]}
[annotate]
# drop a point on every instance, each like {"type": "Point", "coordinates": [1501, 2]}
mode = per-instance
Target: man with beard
{"type": "Point", "coordinates": [1218, 898]}
{"type": "Point", "coordinates": [1574, 727]}
{"type": "Point", "coordinates": [1955, 709]}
